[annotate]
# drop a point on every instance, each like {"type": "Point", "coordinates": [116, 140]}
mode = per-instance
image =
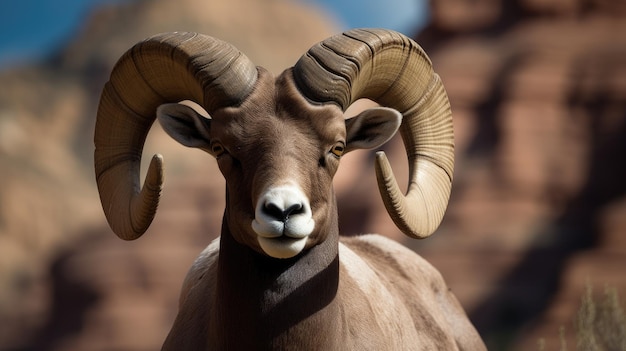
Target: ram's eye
{"type": "Point", "coordinates": [217, 149]}
{"type": "Point", "coordinates": [338, 149]}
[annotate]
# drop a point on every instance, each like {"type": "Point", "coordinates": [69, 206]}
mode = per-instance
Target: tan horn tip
{"type": "Point", "coordinates": [400, 210]}
{"type": "Point", "coordinates": [144, 206]}
{"type": "Point", "coordinates": [154, 176]}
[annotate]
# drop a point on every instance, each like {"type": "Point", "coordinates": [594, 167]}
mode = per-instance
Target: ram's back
{"type": "Point", "coordinates": [410, 291]}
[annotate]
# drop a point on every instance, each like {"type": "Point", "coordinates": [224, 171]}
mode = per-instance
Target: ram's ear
{"type": "Point", "coordinates": [185, 125]}
{"type": "Point", "coordinates": [371, 128]}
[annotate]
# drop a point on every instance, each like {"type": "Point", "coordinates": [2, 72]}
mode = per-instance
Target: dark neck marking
{"type": "Point", "coordinates": [261, 299]}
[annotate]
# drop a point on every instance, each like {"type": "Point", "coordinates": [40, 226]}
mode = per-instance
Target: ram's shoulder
{"type": "Point", "coordinates": [391, 259]}
{"type": "Point", "coordinates": [202, 269]}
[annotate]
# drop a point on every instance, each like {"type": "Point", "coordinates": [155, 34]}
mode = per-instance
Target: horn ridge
{"type": "Point", "coordinates": [394, 71]}
{"type": "Point", "coordinates": [167, 67]}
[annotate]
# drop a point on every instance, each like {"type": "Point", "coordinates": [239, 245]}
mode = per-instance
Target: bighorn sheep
{"type": "Point", "coordinates": [280, 277]}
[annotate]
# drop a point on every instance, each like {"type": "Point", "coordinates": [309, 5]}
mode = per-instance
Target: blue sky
{"type": "Point", "coordinates": [32, 29]}
{"type": "Point", "coordinates": [402, 15]}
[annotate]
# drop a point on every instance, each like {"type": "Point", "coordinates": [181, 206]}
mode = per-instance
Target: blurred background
{"type": "Point", "coordinates": [538, 207]}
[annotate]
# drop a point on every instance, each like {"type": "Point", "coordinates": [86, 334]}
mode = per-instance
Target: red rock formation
{"type": "Point", "coordinates": [538, 90]}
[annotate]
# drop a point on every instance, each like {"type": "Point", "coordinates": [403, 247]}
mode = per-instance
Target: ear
{"type": "Point", "coordinates": [185, 125]}
{"type": "Point", "coordinates": [372, 128]}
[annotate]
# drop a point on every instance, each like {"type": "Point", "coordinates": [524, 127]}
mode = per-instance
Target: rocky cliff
{"type": "Point", "coordinates": [538, 90]}
{"type": "Point", "coordinates": [538, 208]}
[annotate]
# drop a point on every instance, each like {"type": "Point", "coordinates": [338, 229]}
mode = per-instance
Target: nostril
{"type": "Point", "coordinates": [281, 214]}
{"type": "Point", "coordinates": [293, 209]}
{"type": "Point", "coordinates": [273, 210]}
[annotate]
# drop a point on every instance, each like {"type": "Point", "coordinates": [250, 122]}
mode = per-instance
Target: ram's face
{"type": "Point", "coordinates": [278, 154]}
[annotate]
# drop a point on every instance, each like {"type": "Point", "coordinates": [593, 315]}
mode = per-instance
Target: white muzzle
{"type": "Point", "coordinates": [283, 221]}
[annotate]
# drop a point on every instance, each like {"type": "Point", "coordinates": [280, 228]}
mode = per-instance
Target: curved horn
{"type": "Point", "coordinates": [391, 69]}
{"type": "Point", "coordinates": [165, 68]}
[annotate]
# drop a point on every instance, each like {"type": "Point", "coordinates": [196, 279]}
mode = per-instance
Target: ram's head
{"type": "Point", "coordinates": [278, 141]}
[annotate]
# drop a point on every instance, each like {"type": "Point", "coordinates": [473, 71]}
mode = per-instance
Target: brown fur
{"type": "Point", "coordinates": [330, 310]}
{"type": "Point", "coordinates": [365, 293]}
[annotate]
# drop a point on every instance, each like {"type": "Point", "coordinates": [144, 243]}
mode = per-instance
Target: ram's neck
{"type": "Point", "coordinates": [268, 301]}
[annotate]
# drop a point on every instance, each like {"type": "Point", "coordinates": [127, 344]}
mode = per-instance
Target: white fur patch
{"type": "Point", "coordinates": [283, 221]}
{"type": "Point", "coordinates": [389, 311]}
{"type": "Point", "coordinates": [361, 273]}
{"type": "Point", "coordinates": [282, 247]}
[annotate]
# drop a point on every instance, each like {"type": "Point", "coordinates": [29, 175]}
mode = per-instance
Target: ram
{"type": "Point", "coordinates": [280, 277]}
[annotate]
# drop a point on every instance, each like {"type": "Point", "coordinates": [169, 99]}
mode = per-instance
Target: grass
{"type": "Point", "coordinates": [600, 323]}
